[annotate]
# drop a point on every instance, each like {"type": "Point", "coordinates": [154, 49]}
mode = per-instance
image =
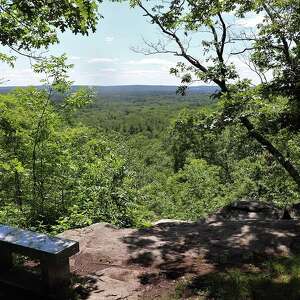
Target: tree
{"type": "Point", "coordinates": [30, 25]}
{"type": "Point", "coordinates": [272, 45]}
{"type": "Point", "coordinates": [57, 174]}
{"type": "Point", "coordinates": [54, 175]}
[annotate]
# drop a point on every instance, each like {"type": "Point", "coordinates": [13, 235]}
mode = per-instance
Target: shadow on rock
{"type": "Point", "coordinates": [176, 249]}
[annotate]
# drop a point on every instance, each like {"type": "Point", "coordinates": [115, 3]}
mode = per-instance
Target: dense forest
{"type": "Point", "coordinates": [127, 161]}
{"type": "Point", "coordinates": [73, 156]}
{"type": "Point", "coordinates": [111, 160]}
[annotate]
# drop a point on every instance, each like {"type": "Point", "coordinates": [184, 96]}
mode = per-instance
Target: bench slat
{"type": "Point", "coordinates": [36, 243]}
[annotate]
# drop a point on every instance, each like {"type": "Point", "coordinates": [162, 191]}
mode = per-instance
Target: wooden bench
{"type": "Point", "coordinates": [52, 252]}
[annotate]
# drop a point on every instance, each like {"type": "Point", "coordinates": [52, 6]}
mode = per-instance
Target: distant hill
{"type": "Point", "coordinates": [137, 90]}
{"type": "Point", "coordinates": [151, 90]}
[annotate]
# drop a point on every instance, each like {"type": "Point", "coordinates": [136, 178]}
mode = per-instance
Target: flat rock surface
{"type": "Point", "coordinates": [127, 263]}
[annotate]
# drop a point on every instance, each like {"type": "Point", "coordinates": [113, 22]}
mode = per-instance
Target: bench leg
{"type": "Point", "coordinates": [56, 277]}
{"type": "Point", "coordinates": [6, 260]}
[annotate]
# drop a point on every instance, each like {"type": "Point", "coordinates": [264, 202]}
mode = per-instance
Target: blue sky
{"type": "Point", "coordinates": [105, 58]}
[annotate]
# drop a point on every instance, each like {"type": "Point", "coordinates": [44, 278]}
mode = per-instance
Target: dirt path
{"type": "Point", "coordinates": [140, 264]}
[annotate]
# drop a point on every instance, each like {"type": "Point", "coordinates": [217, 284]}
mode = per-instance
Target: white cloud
{"type": "Point", "coordinates": [21, 77]}
{"type": "Point", "coordinates": [150, 61]}
{"type": "Point", "coordinates": [102, 60]}
{"type": "Point", "coordinates": [140, 72]}
{"type": "Point", "coordinates": [108, 70]}
{"type": "Point", "coordinates": [251, 21]}
{"type": "Point", "coordinates": [109, 39]}
{"type": "Point", "coordinates": [74, 58]}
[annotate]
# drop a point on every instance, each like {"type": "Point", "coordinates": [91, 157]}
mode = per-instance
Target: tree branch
{"type": "Point", "coordinates": [157, 48]}
{"type": "Point", "coordinates": [224, 33]}
{"type": "Point", "coordinates": [286, 48]}
{"type": "Point", "coordinates": [173, 35]}
{"type": "Point", "coordinates": [288, 166]}
{"type": "Point", "coordinates": [242, 51]}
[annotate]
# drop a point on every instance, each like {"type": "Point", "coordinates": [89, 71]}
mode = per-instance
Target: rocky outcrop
{"type": "Point", "coordinates": [129, 263]}
{"type": "Point", "coordinates": [248, 210]}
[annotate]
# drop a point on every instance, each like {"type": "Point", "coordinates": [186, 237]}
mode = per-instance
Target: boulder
{"type": "Point", "coordinates": [247, 210]}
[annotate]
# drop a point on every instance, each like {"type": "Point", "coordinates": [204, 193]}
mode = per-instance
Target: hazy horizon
{"type": "Point", "coordinates": [114, 85]}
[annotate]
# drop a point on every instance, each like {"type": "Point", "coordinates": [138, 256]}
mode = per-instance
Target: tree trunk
{"type": "Point", "coordinates": [285, 163]}
{"type": "Point", "coordinates": [18, 193]}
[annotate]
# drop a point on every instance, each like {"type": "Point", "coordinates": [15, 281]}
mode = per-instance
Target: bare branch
{"type": "Point", "coordinates": [252, 66]}
{"type": "Point", "coordinates": [173, 35]}
{"type": "Point", "coordinates": [242, 51]}
{"type": "Point", "coordinates": [154, 48]}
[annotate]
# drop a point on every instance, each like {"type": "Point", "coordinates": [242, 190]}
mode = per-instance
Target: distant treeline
{"type": "Point", "coordinates": [132, 90]}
